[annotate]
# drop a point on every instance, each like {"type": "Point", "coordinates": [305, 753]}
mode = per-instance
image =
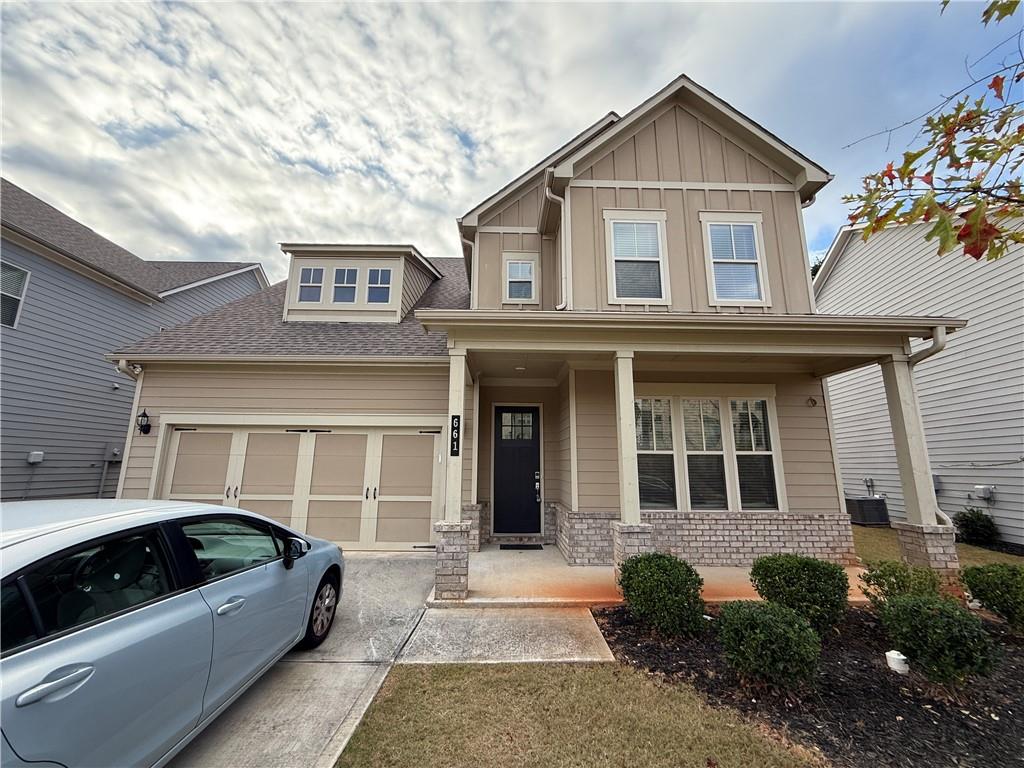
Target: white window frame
{"type": "Point", "coordinates": [636, 216]}
{"type": "Point", "coordinates": [354, 286]}
{"type": "Point", "coordinates": [755, 218]}
{"type": "Point", "coordinates": [389, 286]}
{"type": "Point", "coordinates": [24, 293]}
{"type": "Point", "coordinates": [311, 284]}
{"type": "Point", "coordinates": [773, 441]}
{"type": "Point", "coordinates": [521, 257]}
{"type": "Point", "coordinates": [671, 451]}
{"type": "Point", "coordinates": [686, 452]}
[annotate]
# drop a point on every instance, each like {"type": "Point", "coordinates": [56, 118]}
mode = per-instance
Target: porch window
{"type": "Point", "coordinates": [754, 460]}
{"type": "Point", "coordinates": [655, 456]}
{"type": "Point", "coordinates": [735, 259]}
{"type": "Point", "coordinates": [345, 285]}
{"type": "Point", "coordinates": [637, 272]}
{"type": "Point", "coordinates": [311, 280]}
{"type": "Point", "coordinates": [12, 293]}
{"type": "Point", "coordinates": [378, 290]}
{"type": "Point", "coordinates": [705, 455]}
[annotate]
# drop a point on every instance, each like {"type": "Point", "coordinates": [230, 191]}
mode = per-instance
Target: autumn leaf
{"type": "Point", "coordinates": [997, 86]}
{"type": "Point", "coordinates": [976, 234]}
{"type": "Point", "coordinates": [889, 173]}
{"type": "Point", "coordinates": [928, 179]}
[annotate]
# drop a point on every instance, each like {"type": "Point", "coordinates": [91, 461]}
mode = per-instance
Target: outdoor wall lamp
{"type": "Point", "coordinates": [143, 423]}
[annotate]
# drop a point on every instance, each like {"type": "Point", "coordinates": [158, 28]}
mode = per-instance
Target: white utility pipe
{"type": "Point", "coordinates": [560, 202]}
{"type": "Point", "coordinates": [937, 345]}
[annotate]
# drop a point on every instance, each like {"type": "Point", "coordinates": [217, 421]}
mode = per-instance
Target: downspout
{"type": "Point", "coordinates": [937, 345]}
{"type": "Point", "coordinates": [560, 202]}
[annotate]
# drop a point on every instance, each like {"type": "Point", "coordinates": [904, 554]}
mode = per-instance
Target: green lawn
{"type": "Point", "coordinates": [552, 716]}
{"type": "Point", "coordinates": [881, 544]}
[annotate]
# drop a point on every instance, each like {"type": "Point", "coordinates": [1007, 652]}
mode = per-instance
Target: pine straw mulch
{"type": "Point", "coordinates": [859, 713]}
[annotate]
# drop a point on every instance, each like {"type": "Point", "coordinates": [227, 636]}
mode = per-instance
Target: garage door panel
{"type": "Point", "coordinates": [201, 465]}
{"type": "Point", "coordinates": [339, 465]}
{"type": "Point", "coordinates": [270, 462]}
{"type": "Point", "coordinates": [276, 509]}
{"type": "Point", "coordinates": [407, 465]}
{"type": "Point", "coordinates": [403, 521]}
{"type": "Point", "coordinates": [335, 520]}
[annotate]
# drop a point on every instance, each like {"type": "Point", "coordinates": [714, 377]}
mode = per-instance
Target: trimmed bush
{"type": "Point", "coordinates": [664, 592]}
{"type": "Point", "coordinates": [1000, 588]}
{"type": "Point", "coordinates": [813, 588]}
{"type": "Point", "coordinates": [768, 643]}
{"type": "Point", "coordinates": [886, 579]}
{"type": "Point", "coordinates": [942, 640]}
{"type": "Point", "coordinates": [973, 526]}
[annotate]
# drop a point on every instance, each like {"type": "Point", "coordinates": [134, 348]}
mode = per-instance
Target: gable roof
{"type": "Point", "coordinates": [39, 221]}
{"type": "Point", "coordinates": [357, 249]}
{"type": "Point", "coordinates": [832, 255]}
{"type": "Point", "coordinates": [254, 328]}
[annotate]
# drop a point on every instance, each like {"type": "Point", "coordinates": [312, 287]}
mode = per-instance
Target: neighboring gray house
{"type": "Point", "coordinates": [70, 296]}
{"type": "Point", "coordinates": [971, 395]}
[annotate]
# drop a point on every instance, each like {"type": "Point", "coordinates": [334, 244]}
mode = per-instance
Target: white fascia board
{"type": "Point", "coordinates": [261, 277]}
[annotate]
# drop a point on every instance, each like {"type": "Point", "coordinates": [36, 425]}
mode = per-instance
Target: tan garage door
{"type": "Point", "coordinates": [364, 488]}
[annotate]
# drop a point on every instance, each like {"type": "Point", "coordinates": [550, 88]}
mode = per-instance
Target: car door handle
{"type": "Point", "coordinates": [232, 605]}
{"type": "Point", "coordinates": [41, 691]}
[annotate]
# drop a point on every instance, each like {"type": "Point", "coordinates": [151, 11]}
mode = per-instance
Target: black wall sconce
{"type": "Point", "coordinates": [143, 423]}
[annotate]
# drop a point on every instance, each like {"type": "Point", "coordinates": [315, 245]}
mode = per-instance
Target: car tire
{"type": "Point", "coordinates": [321, 613]}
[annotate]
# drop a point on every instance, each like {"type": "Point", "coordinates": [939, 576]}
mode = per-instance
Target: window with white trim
{"type": "Point", "coordinates": [656, 466]}
{"type": "Point", "coordinates": [519, 281]}
{"type": "Point", "coordinates": [345, 285]}
{"type": "Point", "coordinates": [13, 281]}
{"type": "Point", "coordinates": [755, 462]}
{"type": "Point", "coordinates": [735, 260]}
{"type": "Point", "coordinates": [378, 287]}
{"type": "Point", "coordinates": [705, 454]}
{"type": "Point", "coordinates": [311, 281]}
{"type": "Point", "coordinates": [637, 272]}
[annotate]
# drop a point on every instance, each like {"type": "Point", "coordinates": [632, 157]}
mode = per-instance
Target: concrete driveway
{"type": "Point", "coordinates": [303, 711]}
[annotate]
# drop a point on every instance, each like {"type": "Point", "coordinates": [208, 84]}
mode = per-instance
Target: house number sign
{"type": "Point", "coordinates": [456, 434]}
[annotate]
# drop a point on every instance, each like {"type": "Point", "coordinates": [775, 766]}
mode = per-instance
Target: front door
{"type": "Point", "coordinates": [516, 497]}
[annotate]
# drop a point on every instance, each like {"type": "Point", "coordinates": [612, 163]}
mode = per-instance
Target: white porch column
{"type": "Point", "coordinates": [456, 407]}
{"type": "Point", "coordinates": [625, 423]}
{"type": "Point", "coordinates": [911, 448]}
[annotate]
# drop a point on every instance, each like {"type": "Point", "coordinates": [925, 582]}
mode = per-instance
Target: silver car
{"type": "Point", "coordinates": [128, 626]}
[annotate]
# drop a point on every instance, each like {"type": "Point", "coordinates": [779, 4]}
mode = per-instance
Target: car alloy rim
{"type": "Point", "coordinates": [323, 609]}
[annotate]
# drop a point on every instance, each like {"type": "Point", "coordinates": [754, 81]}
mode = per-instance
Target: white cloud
{"type": "Point", "coordinates": [216, 131]}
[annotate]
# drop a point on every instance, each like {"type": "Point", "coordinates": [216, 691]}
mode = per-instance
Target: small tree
{"type": "Point", "coordinates": [965, 177]}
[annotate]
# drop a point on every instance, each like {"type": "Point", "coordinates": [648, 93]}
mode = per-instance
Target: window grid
{"type": "Point", "coordinates": [748, 441]}
{"type": "Point", "coordinates": [378, 288]}
{"type": "Point", "coordinates": [697, 442]}
{"type": "Point", "coordinates": [738, 260]}
{"type": "Point", "coordinates": [643, 236]}
{"type": "Point", "coordinates": [311, 280]}
{"type": "Point", "coordinates": [13, 284]}
{"type": "Point", "coordinates": [655, 444]}
{"type": "Point", "coordinates": [519, 285]}
{"type": "Point", "coordinates": [345, 279]}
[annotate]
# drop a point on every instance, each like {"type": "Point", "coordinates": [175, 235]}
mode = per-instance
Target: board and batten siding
{"type": "Point", "coordinates": [59, 394]}
{"type": "Point", "coordinates": [971, 395]}
{"type": "Point", "coordinates": [315, 391]}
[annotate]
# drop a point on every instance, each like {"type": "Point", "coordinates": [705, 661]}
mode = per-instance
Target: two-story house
{"type": "Point", "coordinates": [627, 357]}
{"type": "Point", "coordinates": [69, 296]}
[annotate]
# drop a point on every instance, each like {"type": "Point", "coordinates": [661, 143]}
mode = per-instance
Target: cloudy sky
{"type": "Point", "coordinates": [215, 131]}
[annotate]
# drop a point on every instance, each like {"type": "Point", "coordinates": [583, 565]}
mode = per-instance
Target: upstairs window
{"type": "Point", "coordinates": [378, 288]}
{"type": "Point", "coordinates": [636, 252]}
{"type": "Point", "coordinates": [311, 281]}
{"type": "Point", "coordinates": [519, 283]}
{"type": "Point", "coordinates": [345, 285]}
{"type": "Point", "coordinates": [13, 282]}
{"type": "Point", "coordinates": [735, 259]}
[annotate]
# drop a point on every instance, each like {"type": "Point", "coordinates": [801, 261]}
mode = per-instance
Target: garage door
{"type": "Point", "coordinates": [364, 488]}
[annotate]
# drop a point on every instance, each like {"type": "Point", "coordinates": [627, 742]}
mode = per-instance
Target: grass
{"type": "Point", "coordinates": [881, 544]}
{"type": "Point", "coordinates": [552, 715]}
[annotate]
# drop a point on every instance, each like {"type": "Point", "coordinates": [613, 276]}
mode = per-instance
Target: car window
{"type": "Point", "coordinates": [97, 580]}
{"type": "Point", "coordinates": [17, 627]}
{"type": "Point", "coordinates": [226, 545]}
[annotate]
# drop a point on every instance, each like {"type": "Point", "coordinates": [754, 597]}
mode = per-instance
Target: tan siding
{"type": "Point", "coordinates": [521, 211]}
{"type": "Point", "coordinates": [596, 441]}
{"type": "Point", "coordinates": [414, 283]}
{"type": "Point", "coordinates": [564, 494]}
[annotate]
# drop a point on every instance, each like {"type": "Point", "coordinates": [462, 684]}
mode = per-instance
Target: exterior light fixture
{"type": "Point", "coordinates": [143, 423]}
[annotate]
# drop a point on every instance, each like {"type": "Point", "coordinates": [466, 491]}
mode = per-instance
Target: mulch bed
{"type": "Point", "coordinates": [859, 713]}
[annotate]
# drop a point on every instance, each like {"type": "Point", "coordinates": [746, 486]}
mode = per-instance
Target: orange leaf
{"type": "Point", "coordinates": [889, 173]}
{"type": "Point", "coordinates": [975, 237]}
{"type": "Point", "coordinates": [997, 86]}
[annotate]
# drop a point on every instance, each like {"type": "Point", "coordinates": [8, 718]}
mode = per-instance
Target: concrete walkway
{"type": "Point", "coordinates": [302, 713]}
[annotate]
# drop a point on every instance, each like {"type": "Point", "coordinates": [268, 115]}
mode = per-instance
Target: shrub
{"type": "Point", "coordinates": [664, 592]}
{"type": "Point", "coordinates": [946, 642]}
{"type": "Point", "coordinates": [1000, 588]}
{"type": "Point", "coordinates": [887, 579]}
{"type": "Point", "coordinates": [768, 643]}
{"type": "Point", "coordinates": [813, 588]}
{"type": "Point", "coordinates": [973, 526]}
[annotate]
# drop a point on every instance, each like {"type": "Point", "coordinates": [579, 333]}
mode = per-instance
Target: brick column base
{"type": "Point", "coordinates": [932, 546]}
{"type": "Point", "coordinates": [471, 514]}
{"type": "Point", "coordinates": [451, 568]}
{"type": "Point", "coordinates": [629, 539]}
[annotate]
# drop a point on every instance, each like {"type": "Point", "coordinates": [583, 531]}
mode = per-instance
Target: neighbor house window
{"type": "Point", "coordinates": [378, 289]}
{"type": "Point", "coordinates": [13, 281]}
{"type": "Point", "coordinates": [755, 463]}
{"type": "Point", "coordinates": [636, 253]}
{"type": "Point", "coordinates": [345, 285]}
{"type": "Point", "coordinates": [311, 281]}
{"type": "Point", "coordinates": [705, 454]}
{"type": "Point", "coordinates": [655, 459]}
{"type": "Point", "coordinates": [519, 281]}
{"type": "Point", "coordinates": [735, 259]}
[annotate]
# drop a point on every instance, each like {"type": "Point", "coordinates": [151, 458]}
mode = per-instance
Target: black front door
{"type": "Point", "coordinates": [516, 501]}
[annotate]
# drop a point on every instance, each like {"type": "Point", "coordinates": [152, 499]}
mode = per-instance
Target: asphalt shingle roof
{"type": "Point", "coordinates": [254, 327]}
{"type": "Point", "coordinates": [30, 216]}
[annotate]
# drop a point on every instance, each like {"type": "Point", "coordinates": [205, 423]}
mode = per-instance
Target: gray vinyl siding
{"type": "Point", "coordinates": [58, 393]}
{"type": "Point", "coordinates": [971, 395]}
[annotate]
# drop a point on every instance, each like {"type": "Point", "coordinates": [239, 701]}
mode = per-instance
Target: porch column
{"type": "Point", "coordinates": [922, 540]}
{"type": "Point", "coordinates": [456, 408]}
{"type": "Point", "coordinates": [630, 536]}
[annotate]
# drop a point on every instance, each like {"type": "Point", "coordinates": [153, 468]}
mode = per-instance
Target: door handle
{"type": "Point", "coordinates": [236, 491]}
{"type": "Point", "coordinates": [232, 605]}
{"type": "Point", "coordinates": [375, 493]}
{"type": "Point", "coordinates": [227, 492]}
{"type": "Point", "coordinates": [41, 691]}
{"type": "Point", "coordinates": [367, 491]}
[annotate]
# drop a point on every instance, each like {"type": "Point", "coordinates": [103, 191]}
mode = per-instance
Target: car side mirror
{"type": "Point", "coordinates": [294, 548]}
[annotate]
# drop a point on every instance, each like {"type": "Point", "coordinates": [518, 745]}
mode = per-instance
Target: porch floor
{"type": "Point", "coordinates": [541, 578]}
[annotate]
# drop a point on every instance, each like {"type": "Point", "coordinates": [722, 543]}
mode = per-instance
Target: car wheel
{"type": "Point", "coordinates": [321, 615]}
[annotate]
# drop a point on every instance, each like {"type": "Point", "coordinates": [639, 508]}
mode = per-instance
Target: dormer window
{"type": "Point", "coordinates": [311, 281]}
{"type": "Point", "coordinates": [345, 285]}
{"type": "Point", "coordinates": [378, 288]}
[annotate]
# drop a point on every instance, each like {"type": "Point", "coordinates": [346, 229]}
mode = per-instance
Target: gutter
{"type": "Point", "coordinates": [560, 202]}
{"type": "Point", "coordinates": [131, 370]}
{"type": "Point", "coordinates": [937, 345]}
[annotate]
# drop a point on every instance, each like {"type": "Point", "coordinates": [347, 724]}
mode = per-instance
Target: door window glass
{"type": "Point", "coordinates": [17, 627]}
{"type": "Point", "coordinates": [227, 545]}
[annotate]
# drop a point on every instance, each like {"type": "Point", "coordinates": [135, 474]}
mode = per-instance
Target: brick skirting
{"type": "Point", "coordinates": [451, 565]}
{"type": "Point", "coordinates": [932, 546]}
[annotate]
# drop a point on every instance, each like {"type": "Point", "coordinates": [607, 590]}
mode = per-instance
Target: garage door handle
{"type": "Point", "coordinates": [236, 491]}
{"type": "Point", "coordinates": [375, 493]}
{"type": "Point", "coordinates": [234, 604]}
{"type": "Point", "coordinates": [367, 491]}
{"type": "Point", "coordinates": [41, 691]}
{"type": "Point", "coordinates": [227, 492]}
